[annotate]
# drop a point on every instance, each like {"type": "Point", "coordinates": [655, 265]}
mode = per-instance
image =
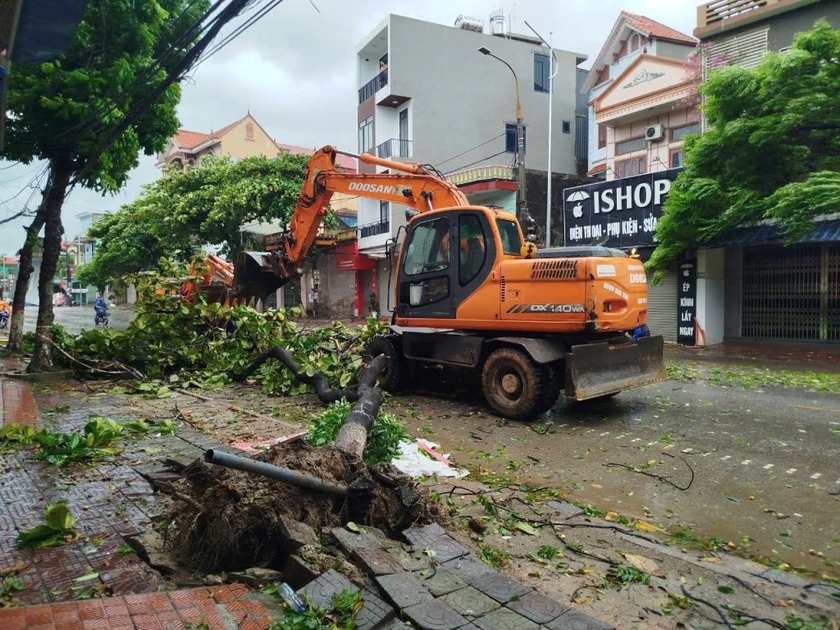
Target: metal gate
{"type": "Point", "coordinates": [792, 293]}
{"type": "Point", "coordinates": [291, 294]}
{"type": "Point", "coordinates": [662, 307]}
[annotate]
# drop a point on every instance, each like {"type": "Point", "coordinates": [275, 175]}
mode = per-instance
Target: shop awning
{"type": "Point", "coordinates": [826, 231]}
{"type": "Point", "coordinates": [44, 28]}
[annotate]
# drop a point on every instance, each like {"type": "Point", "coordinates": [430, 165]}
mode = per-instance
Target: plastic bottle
{"type": "Point", "coordinates": [291, 598]}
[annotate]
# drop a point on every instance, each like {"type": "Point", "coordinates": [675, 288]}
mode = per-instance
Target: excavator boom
{"type": "Point", "coordinates": [413, 185]}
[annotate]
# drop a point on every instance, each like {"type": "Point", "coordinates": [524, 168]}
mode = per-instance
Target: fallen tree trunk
{"type": "Point", "coordinates": [352, 436]}
{"type": "Point", "coordinates": [325, 392]}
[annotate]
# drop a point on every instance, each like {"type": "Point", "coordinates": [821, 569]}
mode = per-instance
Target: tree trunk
{"type": "Point", "coordinates": [352, 436]}
{"type": "Point", "coordinates": [25, 271]}
{"type": "Point", "coordinates": [60, 179]}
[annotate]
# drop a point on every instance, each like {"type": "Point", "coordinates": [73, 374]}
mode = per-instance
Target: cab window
{"type": "Point", "coordinates": [471, 248]}
{"type": "Point", "coordinates": [428, 249]}
{"type": "Point", "coordinates": [511, 241]}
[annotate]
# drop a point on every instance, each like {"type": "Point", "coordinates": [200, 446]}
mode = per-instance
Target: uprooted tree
{"type": "Point", "coordinates": [771, 150]}
{"type": "Point", "coordinates": [228, 519]}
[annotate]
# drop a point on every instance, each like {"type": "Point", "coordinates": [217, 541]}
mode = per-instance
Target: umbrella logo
{"type": "Point", "coordinates": [578, 195]}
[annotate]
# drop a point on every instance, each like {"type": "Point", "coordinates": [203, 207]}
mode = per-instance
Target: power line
{"type": "Point", "coordinates": [95, 121]}
{"type": "Point", "coordinates": [470, 149]}
{"type": "Point", "coordinates": [239, 30]}
{"type": "Point", "coordinates": [477, 161]}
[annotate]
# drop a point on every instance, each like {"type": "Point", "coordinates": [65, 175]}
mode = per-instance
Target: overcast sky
{"type": "Point", "coordinates": [295, 71]}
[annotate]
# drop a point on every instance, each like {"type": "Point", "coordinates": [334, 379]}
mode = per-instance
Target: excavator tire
{"type": "Point", "coordinates": [514, 386]}
{"type": "Point", "coordinates": [392, 377]}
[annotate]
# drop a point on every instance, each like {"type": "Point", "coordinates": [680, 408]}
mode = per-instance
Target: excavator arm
{"type": "Point", "coordinates": [413, 185]}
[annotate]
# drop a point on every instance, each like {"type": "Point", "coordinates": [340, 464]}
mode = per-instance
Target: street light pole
{"type": "Point", "coordinates": [521, 197]}
{"type": "Point", "coordinates": [552, 71]}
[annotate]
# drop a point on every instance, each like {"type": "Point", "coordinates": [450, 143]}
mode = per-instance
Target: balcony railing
{"type": "Point", "coordinates": [376, 83]}
{"type": "Point", "coordinates": [715, 14]}
{"type": "Point", "coordinates": [395, 147]}
{"type": "Point", "coordinates": [372, 229]}
{"type": "Point", "coordinates": [481, 174]}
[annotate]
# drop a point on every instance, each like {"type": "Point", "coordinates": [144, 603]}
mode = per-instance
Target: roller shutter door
{"type": "Point", "coordinates": [792, 293]}
{"type": "Point", "coordinates": [662, 307]}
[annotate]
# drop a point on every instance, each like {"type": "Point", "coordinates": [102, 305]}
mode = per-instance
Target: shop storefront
{"type": "Point", "coordinates": [623, 213]}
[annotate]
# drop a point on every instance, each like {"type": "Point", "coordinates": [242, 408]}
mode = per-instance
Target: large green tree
{"type": "Point", "coordinates": [206, 204]}
{"type": "Point", "coordinates": [80, 114]}
{"type": "Point", "coordinates": [772, 150]}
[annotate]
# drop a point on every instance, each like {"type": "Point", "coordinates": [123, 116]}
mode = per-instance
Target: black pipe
{"type": "Point", "coordinates": [275, 472]}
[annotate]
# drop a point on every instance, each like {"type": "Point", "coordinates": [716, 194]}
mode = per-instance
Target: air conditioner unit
{"type": "Point", "coordinates": [654, 132]}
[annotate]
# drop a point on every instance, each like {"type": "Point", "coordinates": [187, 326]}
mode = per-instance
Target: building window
{"type": "Point", "coordinates": [384, 211]}
{"type": "Point", "coordinates": [628, 146]}
{"type": "Point", "coordinates": [567, 126]}
{"type": "Point", "coordinates": [633, 42]}
{"type": "Point", "coordinates": [602, 136]}
{"type": "Point", "coordinates": [541, 73]}
{"type": "Point", "coordinates": [510, 138]}
{"type": "Point", "coordinates": [680, 132]}
{"type": "Point", "coordinates": [676, 160]}
{"type": "Point", "coordinates": [366, 135]}
{"type": "Point", "coordinates": [631, 167]}
{"type": "Point", "coordinates": [249, 131]}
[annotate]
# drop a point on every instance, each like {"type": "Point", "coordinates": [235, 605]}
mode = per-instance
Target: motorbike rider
{"type": "Point", "coordinates": [100, 307]}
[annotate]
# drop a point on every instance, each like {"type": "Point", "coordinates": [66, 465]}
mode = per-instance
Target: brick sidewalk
{"type": "Point", "coordinates": [114, 498]}
{"type": "Point", "coordinates": [227, 607]}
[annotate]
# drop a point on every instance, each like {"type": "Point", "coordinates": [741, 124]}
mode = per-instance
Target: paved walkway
{"type": "Point", "coordinates": [96, 582]}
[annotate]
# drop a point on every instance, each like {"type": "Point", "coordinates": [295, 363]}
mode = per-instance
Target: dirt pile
{"type": "Point", "coordinates": [228, 520]}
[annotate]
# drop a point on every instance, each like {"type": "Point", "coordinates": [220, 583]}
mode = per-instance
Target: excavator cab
{"type": "Point", "coordinates": [446, 255]}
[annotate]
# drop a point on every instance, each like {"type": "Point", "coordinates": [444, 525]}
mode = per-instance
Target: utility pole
{"type": "Point", "coordinates": [521, 196]}
{"type": "Point", "coordinates": [552, 71]}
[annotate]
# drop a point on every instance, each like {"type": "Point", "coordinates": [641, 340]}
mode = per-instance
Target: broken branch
{"type": "Point", "coordinates": [655, 476]}
{"type": "Point", "coordinates": [326, 393]}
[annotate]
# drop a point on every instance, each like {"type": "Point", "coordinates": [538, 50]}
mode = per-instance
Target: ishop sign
{"type": "Point", "coordinates": [619, 213]}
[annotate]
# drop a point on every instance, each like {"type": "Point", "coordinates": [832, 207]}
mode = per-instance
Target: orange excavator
{"type": "Point", "coordinates": [471, 293]}
{"type": "Point", "coordinates": [213, 277]}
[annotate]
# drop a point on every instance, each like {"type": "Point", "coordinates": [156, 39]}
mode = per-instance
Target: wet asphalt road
{"type": "Point", "coordinates": [759, 469]}
{"type": "Point", "coordinates": [76, 318]}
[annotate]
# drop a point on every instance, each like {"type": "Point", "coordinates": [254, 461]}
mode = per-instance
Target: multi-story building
{"type": "Point", "coordinates": [640, 109]}
{"type": "Point", "coordinates": [770, 291]}
{"type": "Point", "coordinates": [8, 273]}
{"type": "Point", "coordinates": [638, 88]}
{"type": "Point", "coordinates": [427, 94]}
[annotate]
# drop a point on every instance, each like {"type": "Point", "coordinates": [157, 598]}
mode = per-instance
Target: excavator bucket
{"type": "Point", "coordinates": [256, 274]}
{"type": "Point", "coordinates": [604, 368]}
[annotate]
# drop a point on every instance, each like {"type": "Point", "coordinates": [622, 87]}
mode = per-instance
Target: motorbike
{"type": "Point", "coordinates": [101, 315]}
{"type": "Point", "coordinates": [4, 317]}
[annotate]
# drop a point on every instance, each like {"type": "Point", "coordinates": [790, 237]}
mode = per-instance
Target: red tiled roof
{"type": "Point", "coordinates": [346, 162]}
{"type": "Point", "coordinates": [657, 30]}
{"type": "Point", "coordinates": [190, 139]}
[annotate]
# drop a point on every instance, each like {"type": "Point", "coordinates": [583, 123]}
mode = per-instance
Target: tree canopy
{"type": "Point", "coordinates": [64, 109]}
{"type": "Point", "coordinates": [88, 114]}
{"type": "Point", "coordinates": [206, 204]}
{"type": "Point", "coordinates": [772, 150]}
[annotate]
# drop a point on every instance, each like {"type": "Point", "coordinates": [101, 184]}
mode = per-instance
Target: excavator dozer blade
{"type": "Point", "coordinates": [256, 274]}
{"type": "Point", "coordinates": [604, 368]}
